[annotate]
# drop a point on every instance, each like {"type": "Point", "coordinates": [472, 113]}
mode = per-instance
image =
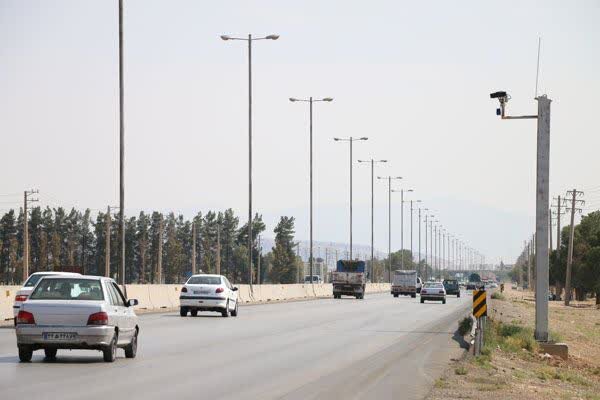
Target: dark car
{"type": "Point", "coordinates": [452, 287]}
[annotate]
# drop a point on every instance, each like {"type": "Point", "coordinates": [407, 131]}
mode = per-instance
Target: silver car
{"type": "Point", "coordinates": [77, 312]}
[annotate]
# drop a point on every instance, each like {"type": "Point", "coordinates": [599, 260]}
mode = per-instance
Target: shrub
{"type": "Point", "coordinates": [498, 296]}
{"type": "Point", "coordinates": [460, 371]}
{"type": "Point", "coordinates": [465, 325]}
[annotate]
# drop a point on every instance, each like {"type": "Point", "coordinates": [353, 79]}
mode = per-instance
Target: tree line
{"type": "Point", "coordinates": [61, 239]}
{"type": "Point", "coordinates": [585, 272]}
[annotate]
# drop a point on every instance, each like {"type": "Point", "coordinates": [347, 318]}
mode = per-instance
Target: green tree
{"type": "Point", "coordinates": [284, 263]}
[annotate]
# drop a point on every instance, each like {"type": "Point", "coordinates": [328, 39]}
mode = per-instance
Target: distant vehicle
{"type": "Point", "coordinates": [349, 279]}
{"type": "Point", "coordinates": [433, 291]}
{"type": "Point", "coordinates": [315, 279]}
{"type": "Point", "coordinates": [452, 287]}
{"type": "Point", "coordinates": [77, 312]}
{"type": "Point", "coordinates": [29, 285]}
{"type": "Point", "coordinates": [405, 283]}
{"type": "Point", "coordinates": [208, 293]}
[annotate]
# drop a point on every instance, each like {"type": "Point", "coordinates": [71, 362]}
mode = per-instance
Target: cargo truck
{"type": "Point", "coordinates": [405, 283]}
{"type": "Point", "coordinates": [349, 279]}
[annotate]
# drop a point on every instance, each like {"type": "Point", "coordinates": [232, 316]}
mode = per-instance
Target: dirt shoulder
{"type": "Point", "coordinates": [511, 366]}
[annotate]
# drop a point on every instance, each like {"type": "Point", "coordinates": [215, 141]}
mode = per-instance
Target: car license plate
{"type": "Point", "coordinates": [201, 291]}
{"type": "Point", "coordinates": [59, 336]}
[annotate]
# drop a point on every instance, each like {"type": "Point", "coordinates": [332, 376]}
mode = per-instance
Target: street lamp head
{"type": "Point", "coordinates": [225, 37]}
{"type": "Point", "coordinates": [409, 190]}
{"type": "Point", "coordinates": [293, 99]}
{"type": "Point", "coordinates": [328, 99]}
{"type": "Point", "coordinates": [336, 139]}
{"type": "Point", "coordinates": [417, 201]}
{"type": "Point", "coordinates": [364, 138]}
{"type": "Point", "coordinates": [272, 37]}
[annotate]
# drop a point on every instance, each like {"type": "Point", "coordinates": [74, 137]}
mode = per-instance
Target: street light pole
{"type": "Point", "coordinates": [411, 228]}
{"type": "Point", "coordinates": [350, 140]}
{"type": "Point", "coordinates": [372, 162]}
{"type": "Point", "coordinates": [389, 179]}
{"type": "Point", "coordinates": [310, 100]}
{"type": "Point", "coordinates": [402, 226]}
{"type": "Point", "coordinates": [250, 39]}
{"type": "Point", "coordinates": [121, 149]}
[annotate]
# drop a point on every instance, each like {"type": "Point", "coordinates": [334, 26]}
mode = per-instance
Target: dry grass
{"type": "Point", "coordinates": [510, 366]}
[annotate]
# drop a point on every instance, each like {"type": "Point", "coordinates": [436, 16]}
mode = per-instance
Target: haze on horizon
{"type": "Point", "coordinates": [413, 77]}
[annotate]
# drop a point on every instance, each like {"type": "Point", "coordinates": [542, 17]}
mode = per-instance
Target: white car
{"type": "Point", "coordinates": [208, 293]}
{"type": "Point", "coordinates": [25, 291]}
{"type": "Point", "coordinates": [77, 312]}
{"type": "Point", "coordinates": [433, 291]}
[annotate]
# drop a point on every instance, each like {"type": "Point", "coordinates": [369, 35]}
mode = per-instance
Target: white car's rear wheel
{"type": "Point", "coordinates": [226, 313]}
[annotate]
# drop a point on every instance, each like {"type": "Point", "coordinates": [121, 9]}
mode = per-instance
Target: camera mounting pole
{"type": "Point", "coordinates": [542, 256]}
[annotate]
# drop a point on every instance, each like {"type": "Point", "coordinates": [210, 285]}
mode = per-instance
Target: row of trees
{"type": "Point", "coordinates": [59, 239]}
{"type": "Point", "coordinates": [585, 274]}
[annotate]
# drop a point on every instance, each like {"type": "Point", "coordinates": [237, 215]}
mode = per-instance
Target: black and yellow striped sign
{"type": "Point", "coordinates": [479, 303]}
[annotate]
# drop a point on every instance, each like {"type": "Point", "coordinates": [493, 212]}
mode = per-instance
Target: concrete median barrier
{"type": "Point", "coordinates": [142, 294]}
{"type": "Point", "coordinates": [7, 299]}
{"type": "Point", "coordinates": [159, 297]}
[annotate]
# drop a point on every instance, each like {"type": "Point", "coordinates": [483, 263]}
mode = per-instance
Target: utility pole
{"type": "Point", "coordinates": [26, 199]}
{"type": "Point", "coordinates": [218, 257]}
{"type": "Point", "coordinates": [193, 248]}
{"type": "Point", "coordinates": [550, 224]}
{"type": "Point", "coordinates": [426, 258]}
{"type": "Point", "coordinates": [419, 252]}
{"type": "Point", "coordinates": [574, 193]}
{"type": "Point", "coordinates": [258, 263]}
{"type": "Point", "coordinates": [558, 215]}
{"type": "Point", "coordinates": [435, 256]}
{"type": "Point", "coordinates": [160, 251]}
{"type": "Point", "coordinates": [107, 243]}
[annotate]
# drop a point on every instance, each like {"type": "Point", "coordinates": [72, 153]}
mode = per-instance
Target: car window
{"type": "Point", "coordinates": [227, 283]}
{"type": "Point", "coordinates": [114, 295]}
{"type": "Point", "coordinates": [68, 289]}
{"type": "Point", "coordinates": [119, 293]}
{"type": "Point", "coordinates": [33, 279]}
{"type": "Point", "coordinates": [204, 280]}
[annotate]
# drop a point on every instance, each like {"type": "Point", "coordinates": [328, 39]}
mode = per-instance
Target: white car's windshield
{"type": "Point", "coordinates": [68, 289]}
{"type": "Point", "coordinates": [434, 285]}
{"type": "Point", "coordinates": [205, 280]}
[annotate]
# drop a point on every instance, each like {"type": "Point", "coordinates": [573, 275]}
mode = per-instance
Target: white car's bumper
{"type": "Point", "coordinates": [79, 337]}
{"type": "Point", "coordinates": [203, 302]}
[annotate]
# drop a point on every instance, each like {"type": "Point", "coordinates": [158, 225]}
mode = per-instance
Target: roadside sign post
{"type": "Point", "coordinates": [480, 313]}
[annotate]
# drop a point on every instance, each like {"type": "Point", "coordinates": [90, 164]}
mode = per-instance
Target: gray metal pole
{"type": "Point", "coordinates": [435, 255]}
{"type": "Point", "coordinates": [121, 148]}
{"type": "Point", "coordinates": [411, 231]}
{"type": "Point", "coordinates": [250, 268]}
{"type": "Point", "coordinates": [402, 229]}
{"type": "Point", "coordinates": [426, 255]}
{"type": "Point", "coordinates": [311, 191]}
{"type": "Point", "coordinates": [419, 253]}
{"type": "Point", "coordinates": [558, 229]}
{"type": "Point", "coordinates": [372, 219]}
{"type": "Point", "coordinates": [351, 198]}
{"type": "Point", "coordinates": [390, 226]}
{"type": "Point", "coordinates": [542, 205]}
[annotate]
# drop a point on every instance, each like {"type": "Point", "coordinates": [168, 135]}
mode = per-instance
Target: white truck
{"type": "Point", "coordinates": [405, 283]}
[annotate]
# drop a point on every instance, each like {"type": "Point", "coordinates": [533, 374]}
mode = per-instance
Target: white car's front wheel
{"type": "Point", "coordinates": [234, 313]}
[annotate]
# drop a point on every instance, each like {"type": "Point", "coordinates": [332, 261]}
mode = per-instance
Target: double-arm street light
{"type": "Point", "coordinates": [350, 140]}
{"type": "Point", "coordinates": [372, 162]}
{"type": "Point", "coordinates": [389, 179]}
{"type": "Point", "coordinates": [310, 101]}
{"type": "Point", "coordinates": [250, 39]}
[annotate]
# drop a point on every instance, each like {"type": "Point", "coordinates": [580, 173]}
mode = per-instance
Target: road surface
{"type": "Point", "coordinates": [322, 349]}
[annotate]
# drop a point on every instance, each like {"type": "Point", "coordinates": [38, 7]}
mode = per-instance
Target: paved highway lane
{"type": "Point", "coordinates": [321, 349]}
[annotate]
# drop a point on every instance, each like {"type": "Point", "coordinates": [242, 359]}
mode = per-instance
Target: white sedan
{"type": "Point", "coordinates": [77, 312]}
{"type": "Point", "coordinates": [25, 291]}
{"type": "Point", "coordinates": [208, 293]}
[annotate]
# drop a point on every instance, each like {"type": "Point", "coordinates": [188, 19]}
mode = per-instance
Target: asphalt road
{"type": "Point", "coordinates": [321, 349]}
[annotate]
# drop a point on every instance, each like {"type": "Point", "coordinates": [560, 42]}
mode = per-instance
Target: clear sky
{"type": "Point", "coordinates": [414, 77]}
